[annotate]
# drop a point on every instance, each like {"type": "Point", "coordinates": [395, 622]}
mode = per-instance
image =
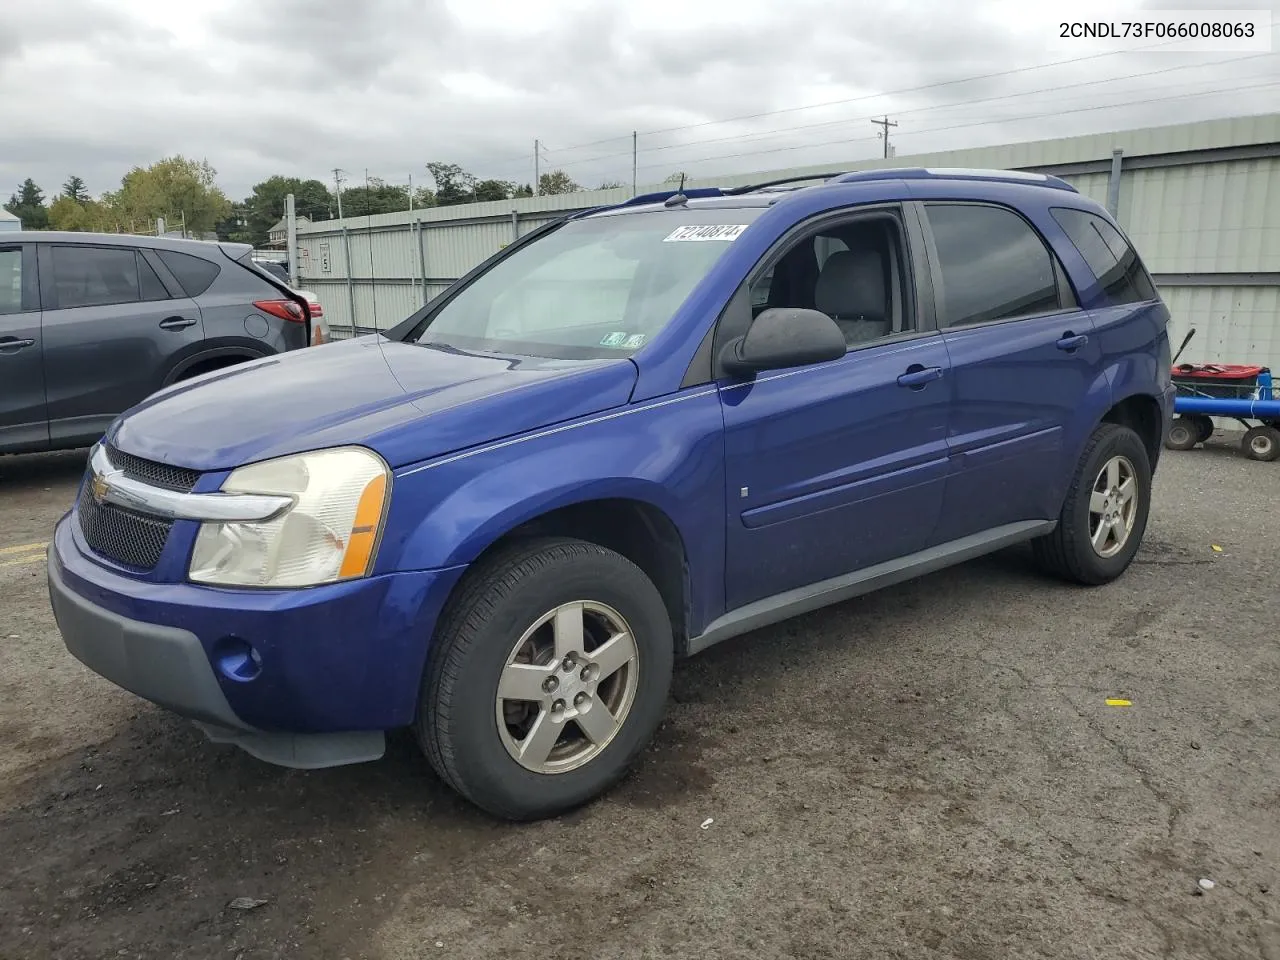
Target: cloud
{"type": "Point", "coordinates": [301, 86]}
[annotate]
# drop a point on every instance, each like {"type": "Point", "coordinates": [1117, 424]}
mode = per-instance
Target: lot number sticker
{"type": "Point", "coordinates": [722, 231]}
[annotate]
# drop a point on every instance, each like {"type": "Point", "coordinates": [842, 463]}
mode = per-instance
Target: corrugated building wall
{"type": "Point", "coordinates": [1201, 201]}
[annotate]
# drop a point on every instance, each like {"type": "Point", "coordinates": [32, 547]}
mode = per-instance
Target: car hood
{"type": "Point", "coordinates": [407, 402]}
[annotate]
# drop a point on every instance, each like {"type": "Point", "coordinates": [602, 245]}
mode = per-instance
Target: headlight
{"type": "Point", "coordinates": [330, 533]}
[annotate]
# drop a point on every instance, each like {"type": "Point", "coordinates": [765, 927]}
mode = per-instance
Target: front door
{"type": "Point", "coordinates": [836, 467]}
{"type": "Point", "coordinates": [112, 331]}
{"type": "Point", "coordinates": [23, 421]}
{"type": "Point", "coordinates": [1023, 358]}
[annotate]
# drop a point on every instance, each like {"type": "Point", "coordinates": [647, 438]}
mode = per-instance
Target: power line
{"type": "Point", "coordinates": [976, 123]}
{"type": "Point", "coordinates": [747, 137]}
{"type": "Point", "coordinates": [870, 96]}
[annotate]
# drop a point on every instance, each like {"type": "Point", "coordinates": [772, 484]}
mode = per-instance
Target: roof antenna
{"type": "Point", "coordinates": [677, 199]}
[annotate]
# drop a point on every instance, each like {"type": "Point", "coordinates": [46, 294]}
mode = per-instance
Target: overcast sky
{"type": "Point", "coordinates": [258, 87]}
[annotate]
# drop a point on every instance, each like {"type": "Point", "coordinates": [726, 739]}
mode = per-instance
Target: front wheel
{"type": "Point", "coordinates": [1105, 512]}
{"type": "Point", "coordinates": [547, 677]}
{"type": "Point", "coordinates": [1184, 433]}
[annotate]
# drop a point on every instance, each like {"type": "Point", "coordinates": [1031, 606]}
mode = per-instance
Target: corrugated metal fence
{"type": "Point", "coordinates": [1201, 201]}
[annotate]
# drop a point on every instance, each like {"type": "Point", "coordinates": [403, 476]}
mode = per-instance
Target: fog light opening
{"type": "Point", "coordinates": [237, 660]}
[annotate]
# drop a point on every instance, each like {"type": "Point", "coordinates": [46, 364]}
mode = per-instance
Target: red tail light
{"type": "Point", "coordinates": [284, 309]}
{"type": "Point", "coordinates": [316, 309]}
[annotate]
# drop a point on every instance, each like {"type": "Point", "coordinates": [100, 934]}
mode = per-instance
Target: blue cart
{"type": "Point", "coordinates": [1232, 391]}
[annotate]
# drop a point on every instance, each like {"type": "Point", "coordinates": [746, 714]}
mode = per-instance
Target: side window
{"type": "Point", "coordinates": [95, 276]}
{"type": "Point", "coordinates": [1108, 254]}
{"type": "Point", "coordinates": [853, 272]}
{"type": "Point", "coordinates": [994, 265]}
{"type": "Point", "coordinates": [194, 274]}
{"type": "Point", "coordinates": [149, 284]}
{"type": "Point", "coordinates": [11, 281]}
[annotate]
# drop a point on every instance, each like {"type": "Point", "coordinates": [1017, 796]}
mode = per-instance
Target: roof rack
{"type": "Point", "coordinates": [752, 187]}
{"type": "Point", "coordinates": [955, 173]}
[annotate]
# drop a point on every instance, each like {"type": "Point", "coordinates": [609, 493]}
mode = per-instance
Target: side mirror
{"type": "Point", "coordinates": [785, 337]}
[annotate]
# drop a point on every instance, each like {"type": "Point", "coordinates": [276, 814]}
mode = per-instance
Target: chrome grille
{"type": "Point", "coordinates": [156, 474]}
{"type": "Point", "coordinates": [129, 538]}
{"type": "Point", "coordinates": [121, 535]}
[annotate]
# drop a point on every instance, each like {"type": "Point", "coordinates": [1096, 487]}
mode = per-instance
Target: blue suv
{"type": "Point", "coordinates": [634, 433]}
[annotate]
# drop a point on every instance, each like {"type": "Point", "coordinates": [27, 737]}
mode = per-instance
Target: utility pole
{"type": "Point", "coordinates": [411, 193]}
{"type": "Point", "coordinates": [537, 156]}
{"type": "Point", "coordinates": [635, 139]}
{"type": "Point", "coordinates": [184, 224]}
{"type": "Point", "coordinates": [885, 124]}
{"type": "Point", "coordinates": [337, 188]}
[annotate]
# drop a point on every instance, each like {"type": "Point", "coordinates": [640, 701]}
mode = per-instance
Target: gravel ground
{"type": "Point", "coordinates": [932, 771]}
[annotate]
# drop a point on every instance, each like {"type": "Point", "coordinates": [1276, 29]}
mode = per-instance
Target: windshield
{"type": "Point", "coordinates": [599, 287]}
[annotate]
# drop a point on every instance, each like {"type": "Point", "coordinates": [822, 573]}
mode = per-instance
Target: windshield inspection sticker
{"type": "Point", "coordinates": [720, 231]}
{"type": "Point", "coordinates": [635, 340]}
{"type": "Point", "coordinates": [615, 339]}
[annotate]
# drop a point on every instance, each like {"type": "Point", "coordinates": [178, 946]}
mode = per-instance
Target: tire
{"type": "Point", "coordinates": [1069, 552]}
{"type": "Point", "coordinates": [473, 740]}
{"type": "Point", "coordinates": [1205, 425]}
{"type": "Point", "coordinates": [1184, 433]}
{"type": "Point", "coordinates": [1261, 443]}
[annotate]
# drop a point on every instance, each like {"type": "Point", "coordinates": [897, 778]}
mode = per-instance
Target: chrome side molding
{"type": "Point", "coordinates": [108, 484]}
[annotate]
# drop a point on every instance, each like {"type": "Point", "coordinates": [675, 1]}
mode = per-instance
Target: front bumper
{"type": "Point", "coordinates": [305, 678]}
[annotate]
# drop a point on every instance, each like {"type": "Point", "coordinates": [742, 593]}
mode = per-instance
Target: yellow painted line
{"type": "Point", "coordinates": [1117, 702]}
{"type": "Point", "coordinates": [38, 558]}
{"type": "Point", "coordinates": [21, 548]}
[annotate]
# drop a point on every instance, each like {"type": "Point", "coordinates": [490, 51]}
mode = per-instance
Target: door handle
{"type": "Point", "coordinates": [176, 323]}
{"type": "Point", "coordinates": [1072, 341]}
{"type": "Point", "coordinates": [917, 376]}
{"type": "Point", "coordinates": [13, 344]}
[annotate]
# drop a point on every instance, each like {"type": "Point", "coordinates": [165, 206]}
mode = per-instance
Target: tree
{"type": "Point", "coordinates": [525, 190]}
{"type": "Point", "coordinates": [453, 184]}
{"type": "Point", "coordinates": [66, 213]}
{"type": "Point", "coordinates": [378, 197]}
{"type": "Point", "coordinates": [234, 227]}
{"type": "Point", "coordinates": [676, 177]}
{"type": "Point", "coordinates": [74, 189]}
{"type": "Point", "coordinates": [494, 190]}
{"type": "Point", "coordinates": [423, 197]}
{"type": "Point", "coordinates": [173, 188]}
{"type": "Point", "coordinates": [611, 185]}
{"type": "Point", "coordinates": [557, 181]}
{"type": "Point", "coordinates": [265, 207]}
{"type": "Point", "coordinates": [28, 206]}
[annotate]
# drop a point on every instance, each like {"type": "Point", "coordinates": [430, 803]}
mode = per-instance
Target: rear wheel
{"type": "Point", "coordinates": [1184, 433]}
{"type": "Point", "coordinates": [1105, 512]}
{"type": "Point", "coordinates": [1205, 425]}
{"type": "Point", "coordinates": [547, 677]}
{"type": "Point", "coordinates": [1262, 443]}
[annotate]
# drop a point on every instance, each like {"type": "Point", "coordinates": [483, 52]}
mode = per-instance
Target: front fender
{"type": "Point", "coordinates": [668, 454]}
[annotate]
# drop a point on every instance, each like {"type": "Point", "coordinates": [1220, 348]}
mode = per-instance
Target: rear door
{"type": "Point", "coordinates": [112, 331]}
{"type": "Point", "coordinates": [1023, 357]}
{"type": "Point", "coordinates": [23, 420]}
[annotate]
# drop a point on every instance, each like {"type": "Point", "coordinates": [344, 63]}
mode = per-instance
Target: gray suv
{"type": "Point", "coordinates": [91, 324]}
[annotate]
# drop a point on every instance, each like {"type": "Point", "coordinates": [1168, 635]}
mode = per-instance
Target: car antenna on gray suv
{"type": "Point", "coordinates": [677, 199]}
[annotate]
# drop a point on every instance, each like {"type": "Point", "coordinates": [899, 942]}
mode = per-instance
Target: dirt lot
{"type": "Point", "coordinates": [929, 772]}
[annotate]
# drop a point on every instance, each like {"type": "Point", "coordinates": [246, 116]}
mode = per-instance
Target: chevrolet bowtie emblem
{"type": "Point", "coordinates": [98, 488]}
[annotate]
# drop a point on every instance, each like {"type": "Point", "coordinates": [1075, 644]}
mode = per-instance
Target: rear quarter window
{"type": "Point", "coordinates": [1113, 261]}
{"type": "Point", "coordinates": [194, 274]}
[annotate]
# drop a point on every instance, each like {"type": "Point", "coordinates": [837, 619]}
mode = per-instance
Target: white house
{"type": "Point", "coordinates": [8, 221]}
{"type": "Point", "coordinates": [276, 236]}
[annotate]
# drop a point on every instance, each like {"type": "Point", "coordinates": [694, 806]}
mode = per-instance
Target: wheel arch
{"type": "Point", "coordinates": [224, 355]}
{"type": "Point", "coordinates": [1141, 413]}
{"type": "Point", "coordinates": [635, 527]}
